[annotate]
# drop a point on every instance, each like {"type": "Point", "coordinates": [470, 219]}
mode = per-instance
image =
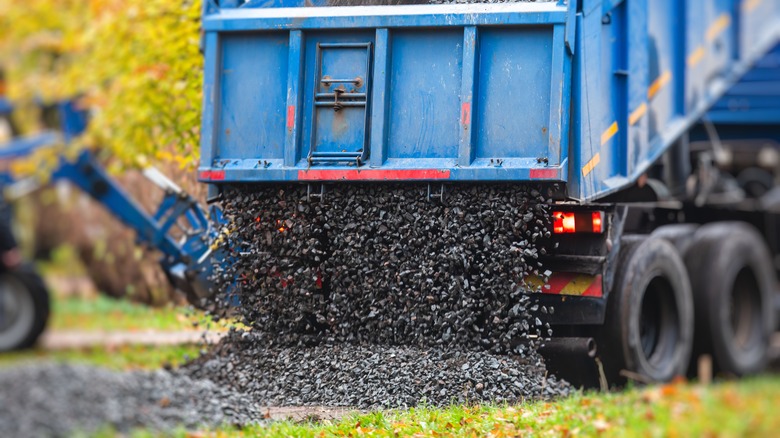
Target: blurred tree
{"type": "Point", "coordinates": [135, 65]}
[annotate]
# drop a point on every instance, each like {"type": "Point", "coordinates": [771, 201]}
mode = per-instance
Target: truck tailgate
{"type": "Point", "coordinates": [424, 92]}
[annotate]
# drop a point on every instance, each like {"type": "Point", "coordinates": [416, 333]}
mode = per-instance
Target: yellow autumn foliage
{"type": "Point", "coordinates": [135, 64]}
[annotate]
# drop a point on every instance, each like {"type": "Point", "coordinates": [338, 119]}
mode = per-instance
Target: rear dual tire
{"type": "Point", "coordinates": [733, 281]}
{"type": "Point", "coordinates": [717, 299]}
{"type": "Point", "coordinates": [648, 330]}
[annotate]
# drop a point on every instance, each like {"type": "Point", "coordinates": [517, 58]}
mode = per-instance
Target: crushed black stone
{"type": "Point", "coordinates": [54, 399]}
{"type": "Point", "coordinates": [384, 265]}
{"type": "Point", "coordinates": [371, 377]}
{"type": "Point", "coordinates": [376, 296]}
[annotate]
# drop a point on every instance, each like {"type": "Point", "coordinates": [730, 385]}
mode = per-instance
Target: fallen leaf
{"type": "Point", "coordinates": [600, 425]}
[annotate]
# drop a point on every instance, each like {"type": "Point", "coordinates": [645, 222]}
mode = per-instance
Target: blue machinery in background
{"type": "Point", "coordinates": [180, 229]}
{"type": "Point", "coordinates": [590, 93]}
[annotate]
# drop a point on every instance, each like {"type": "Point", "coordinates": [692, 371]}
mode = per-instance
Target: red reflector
{"type": "Point", "coordinates": [563, 223]}
{"type": "Point", "coordinates": [544, 174]}
{"type": "Point", "coordinates": [212, 175]}
{"type": "Point", "coordinates": [597, 220]}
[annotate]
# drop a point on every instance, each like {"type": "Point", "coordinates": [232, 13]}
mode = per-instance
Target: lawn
{"type": "Point", "coordinates": [103, 314]}
{"type": "Point", "coordinates": [733, 408]}
{"type": "Point", "coordinates": [108, 314]}
{"type": "Point", "coordinates": [745, 408]}
{"type": "Point", "coordinates": [126, 357]}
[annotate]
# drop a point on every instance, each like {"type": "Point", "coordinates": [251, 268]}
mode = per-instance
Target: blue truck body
{"type": "Point", "coordinates": [589, 93]}
{"type": "Point", "coordinates": [755, 99]}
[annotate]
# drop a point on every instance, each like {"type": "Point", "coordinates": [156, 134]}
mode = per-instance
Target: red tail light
{"type": "Point", "coordinates": [597, 221]}
{"type": "Point", "coordinates": [565, 222]}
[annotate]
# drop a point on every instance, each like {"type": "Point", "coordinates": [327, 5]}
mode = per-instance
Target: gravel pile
{"type": "Point", "coordinates": [384, 265]}
{"type": "Point", "coordinates": [377, 296]}
{"type": "Point", "coordinates": [372, 376]}
{"type": "Point", "coordinates": [50, 399]}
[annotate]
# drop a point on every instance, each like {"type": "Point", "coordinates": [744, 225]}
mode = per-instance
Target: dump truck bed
{"type": "Point", "coordinates": [587, 93]}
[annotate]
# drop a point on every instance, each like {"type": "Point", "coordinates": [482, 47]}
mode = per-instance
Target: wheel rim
{"type": "Point", "coordinates": [745, 316]}
{"type": "Point", "coordinates": [659, 324]}
{"type": "Point", "coordinates": [17, 313]}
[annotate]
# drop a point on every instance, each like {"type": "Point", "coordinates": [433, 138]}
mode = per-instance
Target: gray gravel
{"type": "Point", "coordinates": [48, 399]}
{"type": "Point", "coordinates": [376, 296]}
{"type": "Point", "coordinates": [372, 376]}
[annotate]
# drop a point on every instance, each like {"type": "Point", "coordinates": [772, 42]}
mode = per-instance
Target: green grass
{"type": "Point", "coordinates": [110, 315]}
{"type": "Point", "coordinates": [107, 314]}
{"type": "Point", "coordinates": [746, 408]}
{"type": "Point", "coordinates": [127, 357]}
{"type": "Point", "coordinates": [104, 313]}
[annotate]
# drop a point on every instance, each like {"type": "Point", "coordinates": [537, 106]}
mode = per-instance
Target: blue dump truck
{"type": "Point", "coordinates": [653, 124]}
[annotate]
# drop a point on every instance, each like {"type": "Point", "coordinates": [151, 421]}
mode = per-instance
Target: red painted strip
{"type": "Point", "coordinates": [371, 174]}
{"type": "Point", "coordinates": [595, 289]}
{"type": "Point", "coordinates": [557, 281]}
{"type": "Point", "coordinates": [544, 173]}
{"type": "Point", "coordinates": [290, 116]}
{"type": "Point", "coordinates": [212, 175]}
{"type": "Point", "coordinates": [465, 113]}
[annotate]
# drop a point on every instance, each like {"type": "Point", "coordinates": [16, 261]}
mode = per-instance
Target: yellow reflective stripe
{"type": "Point", "coordinates": [609, 133]}
{"type": "Point", "coordinates": [658, 84]}
{"type": "Point", "coordinates": [637, 114]}
{"type": "Point", "coordinates": [750, 5]}
{"type": "Point", "coordinates": [696, 56]}
{"type": "Point", "coordinates": [591, 164]}
{"type": "Point", "coordinates": [716, 28]}
{"type": "Point", "coordinates": [535, 281]}
{"type": "Point", "coordinates": [578, 285]}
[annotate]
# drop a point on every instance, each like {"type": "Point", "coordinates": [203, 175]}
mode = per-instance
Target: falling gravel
{"type": "Point", "coordinates": [49, 399]}
{"type": "Point", "coordinates": [384, 296]}
{"type": "Point", "coordinates": [388, 265]}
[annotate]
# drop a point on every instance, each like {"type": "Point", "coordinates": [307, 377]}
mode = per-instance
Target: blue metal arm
{"type": "Point", "coordinates": [88, 175]}
{"type": "Point", "coordinates": [187, 259]}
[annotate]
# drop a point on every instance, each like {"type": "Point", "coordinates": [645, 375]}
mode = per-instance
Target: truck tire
{"type": "Point", "coordinates": [733, 284]}
{"type": "Point", "coordinates": [24, 308]}
{"type": "Point", "coordinates": [649, 321]}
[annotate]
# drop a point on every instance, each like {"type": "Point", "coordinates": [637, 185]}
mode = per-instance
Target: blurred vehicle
{"type": "Point", "coordinates": [180, 228]}
{"type": "Point", "coordinates": [24, 298]}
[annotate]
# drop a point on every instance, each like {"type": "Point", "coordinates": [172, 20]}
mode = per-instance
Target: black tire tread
{"type": "Point", "coordinates": [635, 253]}
{"type": "Point", "coordinates": [711, 252]}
